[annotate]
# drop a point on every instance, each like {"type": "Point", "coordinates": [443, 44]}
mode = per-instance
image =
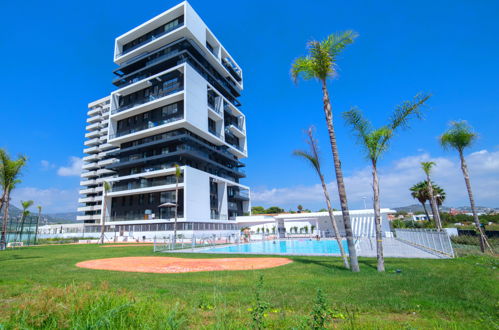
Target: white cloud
{"type": "Point", "coordinates": [52, 199]}
{"type": "Point", "coordinates": [46, 165]}
{"type": "Point", "coordinates": [74, 168]}
{"type": "Point", "coordinates": [395, 181]}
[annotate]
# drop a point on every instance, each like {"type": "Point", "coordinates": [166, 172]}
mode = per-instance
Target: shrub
{"type": "Point", "coordinates": [260, 307]}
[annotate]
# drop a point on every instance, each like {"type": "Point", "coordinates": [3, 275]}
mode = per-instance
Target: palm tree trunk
{"type": "Point", "coordinates": [1, 200]}
{"type": "Point", "coordinates": [377, 220]}
{"type": "Point", "coordinates": [3, 239]}
{"type": "Point", "coordinates": [433, 203]}
{"type": "Point", "coordinates": [37, 223]}
{"type": "Point", "coordinates": [426, 211]}
{"type": "Point", "coordinates": [483, 238]}
{"type": "Point", "coordinates": [339, 179]}
{"type": "Point", "coordinates": [333, 222]}
{"type": "Point", "coordinates": [103, 222]}
{"type": "Point", "coordinates": [22, 228]}
{"type": "Point", "coordinates": [176, 215]}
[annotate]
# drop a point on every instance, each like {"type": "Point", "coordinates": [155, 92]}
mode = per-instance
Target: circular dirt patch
{"type": "Point", "coordinates": [181, 265]}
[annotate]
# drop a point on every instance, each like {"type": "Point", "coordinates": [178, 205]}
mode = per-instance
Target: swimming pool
{"type": "Point", "coordinates": [297, 247]}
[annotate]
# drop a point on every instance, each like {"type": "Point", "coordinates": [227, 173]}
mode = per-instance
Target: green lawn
{"type": "Point", "coordinates": [42, 287]}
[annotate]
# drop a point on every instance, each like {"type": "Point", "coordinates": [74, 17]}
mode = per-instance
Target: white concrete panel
{"type": "Point", "coordinates": [196, 194]}
{"type": "Point", "coordinates": [195, 24]}
{"type": "Point", "coordinates": [196, 99]}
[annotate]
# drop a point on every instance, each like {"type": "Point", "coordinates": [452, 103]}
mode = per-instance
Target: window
{"type": "Point", "coordinates": [169, 109]}
{"type": "Point", "coordinates": [141, 199]}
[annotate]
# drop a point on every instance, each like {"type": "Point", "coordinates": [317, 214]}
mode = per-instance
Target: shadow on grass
{"type": "Point", "coordinates": [330, 264]}
{"type": "Point", "coordinates": [18, 257]}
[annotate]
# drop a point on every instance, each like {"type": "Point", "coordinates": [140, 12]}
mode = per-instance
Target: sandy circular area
{"type": "Point", "coordinates": [181, 265]}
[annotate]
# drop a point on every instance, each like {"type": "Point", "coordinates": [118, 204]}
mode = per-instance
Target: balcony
{"type": "Point", "coordinates": [242, 195]}
{"type": "Point", "coordinates": [92, 134]}
{"type": "Point", "coordinates": [91, 158]}
{"type": "Point", "coordinates": [91, 150]}
{"type": "Point", "coordinates": [150, 124]}
{"type": "Point", "coordinates": [153, 35]}
{"type": "Point", "coordinates": [92, 142]}
{"type": "Point", "coordinates": [235, 129]}
{"type": "Point", "coordinates": [174, 88]}
{"type": "Point", "coordinates": [232, 68]}
{"type": "Point", "coordinates": [144, 184]}
{"type": "Point", "coordinates": [89, 174]}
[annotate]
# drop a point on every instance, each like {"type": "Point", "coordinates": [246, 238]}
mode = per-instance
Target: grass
{"type": "Point", "coordinates": [40, 287]}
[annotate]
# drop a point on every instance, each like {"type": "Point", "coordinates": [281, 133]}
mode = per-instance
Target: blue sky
{"type": "Point", "coordinates": [57, 56]}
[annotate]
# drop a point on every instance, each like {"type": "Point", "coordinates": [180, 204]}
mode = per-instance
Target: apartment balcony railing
{"type": "Point", "coordinates": [215, 103]}
{"type": "Point", "coordinates": [163, 216]}
{"type": "Point", "coordinates": [145, 72]}
{"type": "Point", "coordinates": [153, 37]}
{"type": "Point", "coordinates": [144, 184]}
{"type": "Point", "coordinates": [241, 195]}
{"type": "Point", "coordinates": [150, 124]}
{"type": "Point", "coordinates": [173, 89]}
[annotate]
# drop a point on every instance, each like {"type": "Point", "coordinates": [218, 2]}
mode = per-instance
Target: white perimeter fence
{"type": "Point", "coordinates": [430, 239]}
{"type": "Point", "coordinates": [165, 243]}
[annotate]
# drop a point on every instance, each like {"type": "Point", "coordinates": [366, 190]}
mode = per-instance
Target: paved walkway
{"type": "Point", "coordinates": [393, 248]}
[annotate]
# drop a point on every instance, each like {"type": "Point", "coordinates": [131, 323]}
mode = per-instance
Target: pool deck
{"type": "Point", "coordinates": [392, 248]}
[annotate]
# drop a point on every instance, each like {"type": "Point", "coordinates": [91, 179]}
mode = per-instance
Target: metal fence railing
{"type": "Point", "coordinates": [430, 239]}
{"type": "Point", "coordinates": [166, 243]}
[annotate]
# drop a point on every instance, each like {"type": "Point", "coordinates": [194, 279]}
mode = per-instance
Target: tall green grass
{"type": "Point", "coordinates": [40, 287]}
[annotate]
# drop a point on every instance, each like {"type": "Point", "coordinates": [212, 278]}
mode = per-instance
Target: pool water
{"type": "Point", "coordinates": [304, 246]}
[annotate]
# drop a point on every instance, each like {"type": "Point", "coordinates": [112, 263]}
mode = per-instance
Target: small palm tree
{"type": "Point", "coordinates": [106, 187]}
{"type": "Point", "coordinates": [427, 166]}
{"type": "Point", "coordinates": [313, 158]}
{"type": "Point", "coordinates": [10, 171]}
{"type": "Point", "coordinates": [37, 222]}
{"type": "Point", "coordinates": [320, 64]}
{"type": "Point", "coordinates": [375, 143]}
{"type": "Point", "coordinates": [420, 192]}
{"type": "Point", "coordinates": [25, 213]}
{"type": "Point", "coordinates": [459, 137]}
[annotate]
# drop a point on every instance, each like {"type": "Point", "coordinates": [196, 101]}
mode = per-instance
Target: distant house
{"type": "Point", "coordinates": [420, 217]}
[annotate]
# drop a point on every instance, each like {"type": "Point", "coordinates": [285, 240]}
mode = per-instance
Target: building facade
{"type": "Point", "coordinates": [176, 103]}
{"type": "Point", "coordinates": [97, 158]}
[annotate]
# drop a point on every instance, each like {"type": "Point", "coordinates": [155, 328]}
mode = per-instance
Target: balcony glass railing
{"type": "Point", "coordinates": [150, 124]}
{"type": "Point", "coordinates": [171, 90]}
{"type": "Point", "coordinates": [144, 184]}
{"type": "Point", "coordinates": [167, 28]}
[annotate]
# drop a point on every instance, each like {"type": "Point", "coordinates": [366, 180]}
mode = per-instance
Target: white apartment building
{"type": "Point", "coordinates": [97, 157]}
{"type": "Point", "coordinates": [176, 103]}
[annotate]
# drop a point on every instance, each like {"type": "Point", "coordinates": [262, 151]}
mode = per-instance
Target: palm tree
{"type": "Point", "coordinates": [2, 198]}
{"type": "Point", "coordinates": [37, 222]}
{"type": "Point", "coordinates": [178, 175]}
{"type": "Point", "coordinates": [313, 158]}
{"type": "Point", "coordinates": [427, 166]}
{"type": "Point", "coordinates": [106, 186]}
{"type": "Point", "coordinates": [10, 171]}
{"type": "Point", "coordinates": [25, 206]}
{"type": "Point", "coordinates": [460, 136]}
{"type": "Point", "coordinates": [375, 143]}
{"type": "Point", "coordinates": [420, 192]}
{"type": "Point", "coordinates": [320, 64]}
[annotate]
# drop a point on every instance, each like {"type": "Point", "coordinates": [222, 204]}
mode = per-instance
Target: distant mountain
{"type": "Point", "coordinates": [419, 208]}
{"type": "Point", "coordinates": [63, 217]}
